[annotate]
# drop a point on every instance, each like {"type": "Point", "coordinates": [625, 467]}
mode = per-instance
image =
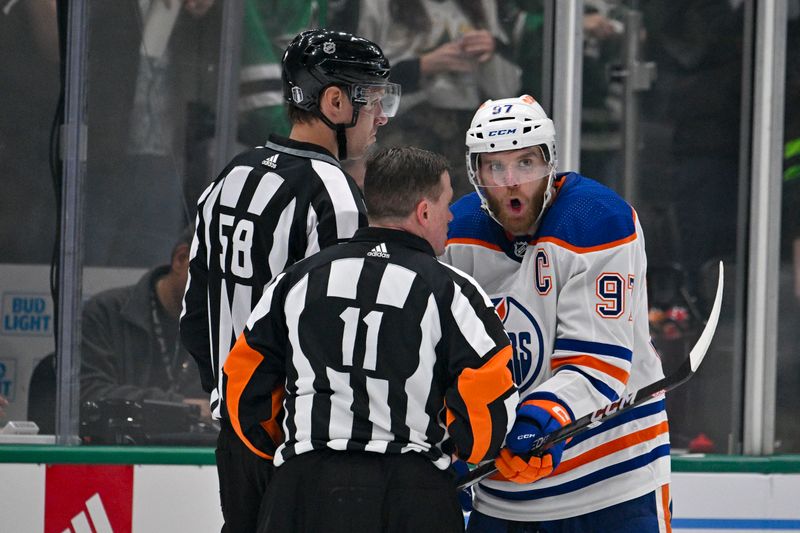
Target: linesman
{"type": "Point", "coordinates": [272, 206]}
{"type": "Point", "coordinates": [379, 362]}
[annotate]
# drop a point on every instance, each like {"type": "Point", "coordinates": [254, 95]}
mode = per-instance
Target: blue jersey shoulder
{"type": "Point", "coordinates": [586, 213]}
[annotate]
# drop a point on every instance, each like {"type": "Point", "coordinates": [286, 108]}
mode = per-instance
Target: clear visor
{"type": "Point", "coordinates": [383, 98]}
{"type": "Point", "coordinates": [504, 169]}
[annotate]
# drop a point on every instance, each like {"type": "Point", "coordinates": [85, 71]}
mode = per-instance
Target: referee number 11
{"type": "Point", "coordinates": [373, 321]}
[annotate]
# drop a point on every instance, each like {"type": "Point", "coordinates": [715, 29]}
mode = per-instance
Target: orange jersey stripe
{"type": "Point", "coordinates": [665, 505]}
{"type": "Point", "coordinates": [478, 388]}
{"type": "Point", "coordinates": [587, 249]}
{"type": "Point", "coordinates": [475, 242]}
{"type": "Point", "coordinates": [239, 367]}
{"type": "Point", "coordinates": [592, 362]}
{"type": "Point", "coordinates": [613, 446]}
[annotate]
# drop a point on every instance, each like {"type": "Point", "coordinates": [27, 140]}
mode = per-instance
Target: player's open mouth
{"type": "Point", "coordinates": [515, 205]}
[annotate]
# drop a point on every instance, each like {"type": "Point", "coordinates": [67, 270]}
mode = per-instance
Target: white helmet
{"type": "Point", "coordinates": [510, 124]}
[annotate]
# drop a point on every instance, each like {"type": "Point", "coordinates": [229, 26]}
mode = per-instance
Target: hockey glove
{"type": "Point", "coordinates": [460, 469]}
{"type": "Point", "coordinates": [515, 468]}
{"type": "Point", "coordinates": [536, 418]}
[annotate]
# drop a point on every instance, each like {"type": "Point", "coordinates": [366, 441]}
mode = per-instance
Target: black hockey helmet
{"type": "Point", "coordinates": [316, 59]}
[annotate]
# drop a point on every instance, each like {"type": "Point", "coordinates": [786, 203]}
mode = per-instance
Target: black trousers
{"type": "Point", "coordinates": [243, 480]}
{"type": "Point", "coordinates": [360, 492]}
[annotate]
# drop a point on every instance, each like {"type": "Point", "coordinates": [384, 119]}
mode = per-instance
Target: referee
{"type": "Point", "coordinates": [378, 362]}
{"type": "Point", "coordinates": [272, 206]}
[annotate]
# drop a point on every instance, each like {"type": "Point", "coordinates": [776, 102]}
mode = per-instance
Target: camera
{"type": "Point", "coordinates": [145, 422]}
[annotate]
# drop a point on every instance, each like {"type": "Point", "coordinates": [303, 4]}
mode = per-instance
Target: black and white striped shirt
{"type": "Point", "coordinates": [373, 345]}
{"type": "Point", "coordinates": [270, 207]}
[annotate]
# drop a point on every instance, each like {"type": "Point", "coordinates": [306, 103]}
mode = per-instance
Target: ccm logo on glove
{"type": "Point", "coordinates": [535, 419]}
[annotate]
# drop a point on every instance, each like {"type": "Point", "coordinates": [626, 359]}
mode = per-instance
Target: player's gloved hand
{"type": "Point", "coordinates": [459, 469]}
{"type": "Point", "coordinates": [536, 418]}
{"type": "Point", "coordinates": [516, 469]}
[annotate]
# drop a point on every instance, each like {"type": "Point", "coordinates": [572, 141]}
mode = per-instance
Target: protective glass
{"type": "Point", "coordinates": [384, 97]}
{"type": "Point", "coordinates": [502, 169]}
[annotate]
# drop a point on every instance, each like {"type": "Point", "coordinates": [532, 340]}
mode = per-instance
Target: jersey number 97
{"type": "Point", "coordinates": [610, 288]}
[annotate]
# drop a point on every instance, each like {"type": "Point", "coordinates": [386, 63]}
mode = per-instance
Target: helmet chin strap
{"type": "Point", "coordinates": [341, 141]}
{"type": "Point", "coordinates": [547, 198]}
{"type": "Point", "coordinates": [340, 130]}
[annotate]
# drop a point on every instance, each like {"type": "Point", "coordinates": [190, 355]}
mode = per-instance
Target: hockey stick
{"type": "Point", "coordinates": [677, 378]}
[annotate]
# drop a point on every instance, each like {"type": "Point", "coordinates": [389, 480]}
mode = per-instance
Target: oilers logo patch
{"type": "Point", "coordinates": [526, 339]}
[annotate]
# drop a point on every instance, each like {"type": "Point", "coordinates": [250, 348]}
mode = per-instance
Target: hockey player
{"type": "Point", "coordinates": [270, 207]}
{"type": "Point", "coordinates": [381, 361]}
{"type": "Point", "coordinates": [563, 258]}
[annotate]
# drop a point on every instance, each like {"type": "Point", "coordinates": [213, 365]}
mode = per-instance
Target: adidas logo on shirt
{"type": "Point", "coordinates": [379, 251]}
{"type": "Point", "coordinates": [271, 161]}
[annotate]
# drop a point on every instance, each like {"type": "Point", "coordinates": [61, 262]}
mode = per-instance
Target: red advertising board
{"type": "Point", "coordinates": [88, 499]}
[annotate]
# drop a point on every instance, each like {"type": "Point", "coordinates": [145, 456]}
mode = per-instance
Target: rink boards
{"type": "Point", "coordinates": [79, 489]}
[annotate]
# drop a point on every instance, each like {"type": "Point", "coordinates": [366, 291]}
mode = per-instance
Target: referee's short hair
{"type": "Point", "coordinates": [396, 179]}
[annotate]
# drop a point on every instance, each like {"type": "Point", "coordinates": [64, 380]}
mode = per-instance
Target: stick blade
{"type": "Point", "coordinates": [699, 350]}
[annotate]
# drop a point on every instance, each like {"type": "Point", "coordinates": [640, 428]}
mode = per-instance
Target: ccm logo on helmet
{"type": "Point", "coordinates": [496, 133]}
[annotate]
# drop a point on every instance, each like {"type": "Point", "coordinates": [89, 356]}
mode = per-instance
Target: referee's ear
{"type": "Point", "coordinates": [422, 213]}
{"type": "Point", "coordinates": [423, 222]}
{"type": "Point", "coordinates": [333, 104]}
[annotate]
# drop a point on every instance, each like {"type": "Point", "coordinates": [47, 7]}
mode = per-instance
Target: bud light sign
{"type": "Point", "coordinates": [8, 373]}
{"type": "Point", "coordinates": [27, 314]}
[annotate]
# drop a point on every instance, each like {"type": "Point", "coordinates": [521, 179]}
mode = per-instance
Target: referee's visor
{"type": "Point", "coordinates": [383, 97]}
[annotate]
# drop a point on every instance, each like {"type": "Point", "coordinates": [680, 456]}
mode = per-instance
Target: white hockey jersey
{"type": "Point", "coordinates": [573, 300]}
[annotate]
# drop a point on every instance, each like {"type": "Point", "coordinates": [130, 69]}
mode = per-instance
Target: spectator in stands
{"type": "Point", "coordinates": [448, 58]}
{"type": "Point", "coordinates": [151, 82]}
{"type": "Point", "coordinates": [28, 98]}
{"type": "Point", "coordinates": [268, 29]}
{"type": "Point", "coordinates": [130, 344]}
